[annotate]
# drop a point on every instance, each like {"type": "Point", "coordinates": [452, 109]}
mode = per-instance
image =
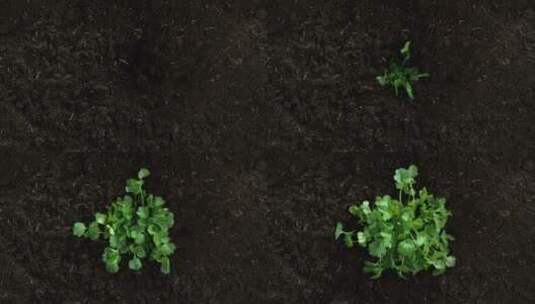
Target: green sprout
{"type": "Point", "coordinates": [406, 234]}
{"type": "Point", "coordinates": [136, 225]}
{"type": "Point", "coordinates": [399, 75]}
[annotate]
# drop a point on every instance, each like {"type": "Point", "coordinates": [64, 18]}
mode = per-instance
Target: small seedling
{"type": "Point", "coordinates": [399, 75]}
{"type": "Point", "coordinates": [136, 225]}
{"type": "Point", "coordinates": [406, 234]}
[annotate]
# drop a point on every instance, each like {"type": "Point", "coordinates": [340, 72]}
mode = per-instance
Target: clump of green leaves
{"type": "Point", "coordinates": [136, 225]}
{"type": "Point", "coordinates": [405, 234]}
{"type": "Point", "coordinates": [400, 75]}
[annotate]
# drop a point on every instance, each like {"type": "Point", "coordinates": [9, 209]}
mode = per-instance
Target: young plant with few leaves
{"type": "Point", "coordinates": [136, 225]}
{"type": "Point", "coordinates": [405, 234]}
{"type": "Point", "coordinates": [399, 75]}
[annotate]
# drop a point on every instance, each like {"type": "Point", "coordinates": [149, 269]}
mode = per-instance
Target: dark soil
{"type": "Point", "coordinates": [262, 122]}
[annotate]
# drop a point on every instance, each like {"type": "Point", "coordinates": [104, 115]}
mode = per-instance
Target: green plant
{"type": "Point", "coordinates": [406, 234]}
{"type": "Point", "coordinates": [136, 224]}
{"type": "Point", "coordinates": [399, 75]}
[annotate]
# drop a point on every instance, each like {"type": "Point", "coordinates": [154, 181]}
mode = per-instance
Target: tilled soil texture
{"type": "Point", "coordinates": [262, 122]}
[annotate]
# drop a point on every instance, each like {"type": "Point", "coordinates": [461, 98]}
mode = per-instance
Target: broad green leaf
{"type": "Point", "coordinates": [116, 241]}
{"type": "Point", "coordinates": [140, 238]}
{"type": "Point", "coordinates": [405, 177]}
{"type": "Point", "coordinates": [79, 229]}
{"type": "Point", "coordinates": [128, 199]}
{"type": "Point", "coordinates": [156, 255]}
{"type": "Point", "coordinates": [164, 220]}
{"type": "Point", "coordinates": [406, 247]}
{"type": "Point", "coordinates": [112, 267]}
{"type": "Point", "coordinates": [160, 238]}
{"type": "Point", "coordinates": [135, 264]}
{"type": "Point", "coordinates": [450, 261]}
{"type": "Point", "coordinates": [143, 212]}
{"type": "Point", "coordinates": [361, 238]}
{"type": "Point", "coordinates": [354, 210]}
{"type": "Point", "coordinates": [111, 256]}
{"type": "Point", "coordinates": [383, 202]}
{"type": "Point", "coordinates": [149, 201]}
{"type": "Point", "coordinates": [158, 201]}
{"type": "Point", "coordinates": [100, 218]}
{"type": "Point", "coordinates": [381, 80]}
{"type": "Point", "coordinates": [139, 251]}
{"type": "Point", "coordinates": [365, 207]}
{"type": "Point", "coordinates": [111, 230]}
{"type": "Point", "coordinates": [133, 232]}
{"type": "Point", "coordinates": [420, 240]}
{"type": "Point", "coordinates": [134, 186]}
{"type": "Point", "coordinates": [439, 264]}
{"type": "Point", "coordinates": [127, 209]}
{"type": "Point", "coordinates": [418, 223]}
{"type": "Point", "coordinates": [406, 216]}
{"type": "Point", "coordinates": [93, 232]}
{"type": "Point", "coordinates": [143, 173]}
{"type": "Point", "coordinates": [167, 248]}
{"type": "Point", "coordinates": [153, 229]}
{"type": "Point", "coordinates": [377, 248]}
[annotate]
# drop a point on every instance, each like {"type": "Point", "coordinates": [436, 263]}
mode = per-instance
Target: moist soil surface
{"type": "Point", "coordinates": [261, 122]}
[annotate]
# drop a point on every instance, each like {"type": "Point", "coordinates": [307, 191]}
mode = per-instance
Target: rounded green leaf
{"type": "Point", "coordinates": [79, 229]}
{"type": "Point", "coordinates": [135, 264]}
{"type": "Point", "coordinates": [140, 238]}
{"type": "Point", "coordinates": [143, 173]}
{"type": "Point", "coordinates": [167, 248]}
{"type": "Point", "coordinates": [164, 220]}
{"type": "Point", "coordinates": [100, 218]}
{"type": "Point", "coordinates": [111, 258]}
{"type": "Point", "coordinates": [361, 238]}
{"type": "Point", "coordinates": [143, 212]}
{"type": "Point", "coordinates": [406, 247]}
{"type": "Point", "coordinates": [112, 267]}
{"type": "Point", "coordinates": [420, 240]}
{"type": "Point", "coordinates": [134, 186]}
{"type": "Point", "coordinates": [128, 199]}
{"type": "Point", "coordinates": [450, 261]}
{"type": "Point", "coordinates": [158, 201]}
{"type": "Point", "coordinates": [354, 210]}
{"type": "Point", "coordinates": [139, 251]}
{"type": "Point", "coordinates": [93, 232]}
{"type": "Point", "coordinates": [365, 207]}
{"type": "Point", "coordinates": [377, 248]}
{"type": "Point", "coordinates": [153, 229]}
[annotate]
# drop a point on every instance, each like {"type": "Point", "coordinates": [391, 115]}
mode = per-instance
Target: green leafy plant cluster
{"type": "Point", "coordinates": [136, 225]}
{"type": "Point", "coordinates": [400, 75]}
{"type": "Point", "coordinates": [405, 234]}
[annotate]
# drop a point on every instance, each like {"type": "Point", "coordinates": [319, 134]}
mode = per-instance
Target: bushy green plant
{"type": "Point", "coordinates": [136, 225]}
{"type": "Point", "coordinates": [400, 75]}
{"type": "Point", "coordinates": [405, 234]}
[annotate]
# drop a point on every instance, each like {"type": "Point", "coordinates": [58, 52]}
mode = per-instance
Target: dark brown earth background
{"type": "Point", "coordinates": [261, 122]}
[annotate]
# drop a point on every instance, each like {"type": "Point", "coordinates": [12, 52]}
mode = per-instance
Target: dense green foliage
{"type": "Point", "coordinates": [136, 225]}
{"type": "Point", "coordinates": [399, 75]}
{"type": "Point", "coordinates": [406, 234]}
